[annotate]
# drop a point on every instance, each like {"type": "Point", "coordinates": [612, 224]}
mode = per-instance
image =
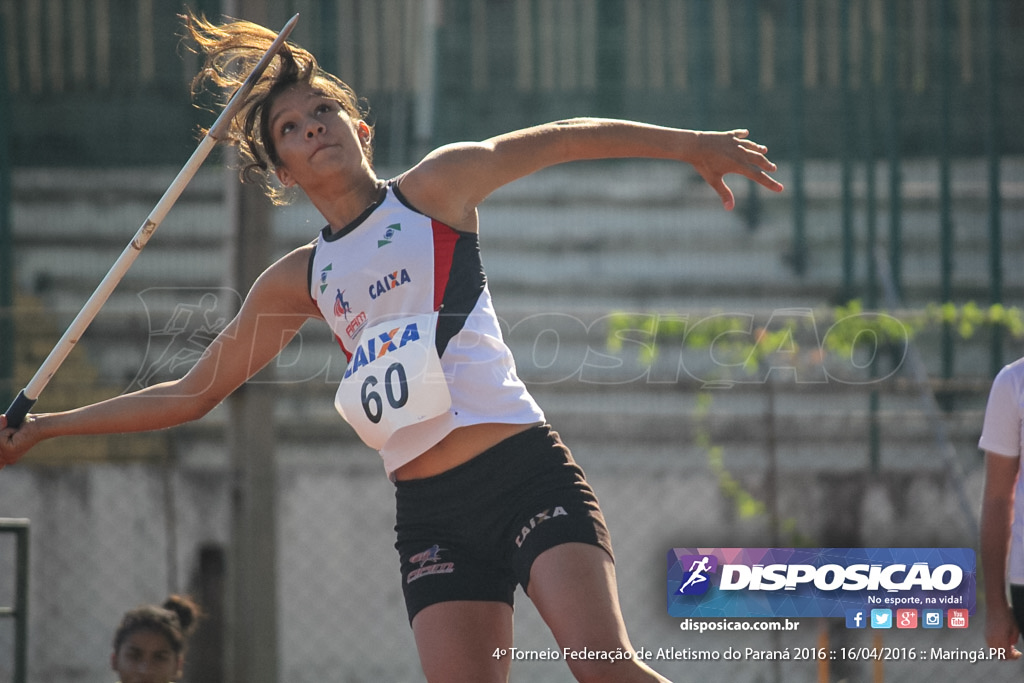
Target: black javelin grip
{"type": "Point", "coordinates": [18, 410]}
{"type": "Point", "coordinates": [27, 398]}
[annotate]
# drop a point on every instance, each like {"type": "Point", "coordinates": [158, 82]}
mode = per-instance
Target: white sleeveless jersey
{"type": "Point", "coordinates": [1003, 433]}
{"type": "Point", "coordinates": [394, 265]}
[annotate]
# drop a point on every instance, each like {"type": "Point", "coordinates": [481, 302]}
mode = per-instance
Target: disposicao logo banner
{"type": "Point", "coordinates": [817, 582]}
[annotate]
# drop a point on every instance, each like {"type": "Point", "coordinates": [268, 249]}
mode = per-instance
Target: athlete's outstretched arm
{"type": "Point", "coordinates": [456, 178]}
{"type": "Point", "coordinates": [272, 313]}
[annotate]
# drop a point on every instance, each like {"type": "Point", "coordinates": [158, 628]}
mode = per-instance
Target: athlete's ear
{"type": "Point", "coordinates": [284, 176]}
{"type": "Point", "coordinates": [365, 134]}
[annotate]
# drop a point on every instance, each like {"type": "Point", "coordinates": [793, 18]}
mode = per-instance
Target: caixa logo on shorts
{"type": "Point", "coordinates": [429, 562]}
{"type": "Point", "coordinates": [539, 518]}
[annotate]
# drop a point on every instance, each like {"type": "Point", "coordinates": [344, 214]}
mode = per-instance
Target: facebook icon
{"type": "Point", "coordinates": [856, 618]}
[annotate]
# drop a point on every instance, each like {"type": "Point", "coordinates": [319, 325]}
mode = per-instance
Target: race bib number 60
{"type": "Point", "coordinates": [393, 380]}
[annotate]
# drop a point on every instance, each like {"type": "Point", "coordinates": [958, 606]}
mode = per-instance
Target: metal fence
{"type": "Point", "coordinates": [812, 77]}
{"type": "Point", "coordinates": [15, 607]}
{"type": "Point", "coordinates": [871, 84]}
{"type": "Point", "coordinates": [105, 539]}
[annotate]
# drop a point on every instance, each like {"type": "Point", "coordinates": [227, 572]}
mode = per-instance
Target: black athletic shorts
{"type": "Point", "coordinates": [473, 532]}
{"type": "Point", "coordinates": [1017, 603]}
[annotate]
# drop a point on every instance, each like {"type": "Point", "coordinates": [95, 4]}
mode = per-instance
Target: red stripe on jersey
{"type": "Point", "coordinates": [444, 249]}
{"type": "Point", "coordinates": [348, 354]}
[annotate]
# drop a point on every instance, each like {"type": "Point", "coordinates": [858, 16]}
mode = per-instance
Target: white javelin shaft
{"type": "Point", "coordinates": [103, 291]}
{"type": "Point", "coordinates": [99, 297]}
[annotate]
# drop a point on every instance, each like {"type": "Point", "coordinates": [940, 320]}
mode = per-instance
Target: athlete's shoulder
{"type": "Point", "coordinates": [1008, 384]}
{"type": "Point", "coordinates": [285, 282]}
{"type": "Point", "coordinates": [295, 261]}
{"type": "Point", "coordinates": [1013, 372]}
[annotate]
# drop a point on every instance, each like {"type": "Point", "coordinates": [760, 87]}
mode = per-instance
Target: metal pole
{"type": "Point", "coordinates": [846, 153]}
{"type": "Point", "coordinates": [19, 611]}
{"type": "Point", "coordinates": [7, 380]}
{"type": "Point", "coordinates": [251, 444]}
{"type": "Point", "coordinates": [868, 147]}
{"type": "Point", "coordinates": [992, 144]}
{"type": "Point", "coordinates": [797, 94]}
{"type": "Point", "coordinates": [945, 200]}
{"type": "Point", "coordinates": [610, 60]}
{"type": "Point", "coordinates": [700, 32]}
{"type": "Point", "coordinates": [893, 144]}
{"type": "Point", "coordinates": [21, 606]}
{"type": "Point", "coordinates": [753, 212]}
{"type": "Point", "coordinates": [871, 212]}
{"type": "Point", "coordinates": [252, 566]}
{"type": "Point", "coordinates": [426, 80]}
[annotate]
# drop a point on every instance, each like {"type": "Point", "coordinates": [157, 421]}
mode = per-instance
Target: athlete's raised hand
{"type": "Point", "coordinates": [717, 154]}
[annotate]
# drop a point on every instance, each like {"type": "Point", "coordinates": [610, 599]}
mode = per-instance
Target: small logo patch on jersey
{"type": "Point", "coordinates": [355, 327]}
{"type": "Point", "coordinates": [341, 307]}
{"type": "Point", "coordinates": [323, 277]}
{"type": "Point", "coordinates": [389, 234]}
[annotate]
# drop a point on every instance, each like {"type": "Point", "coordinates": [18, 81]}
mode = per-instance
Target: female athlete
{"type": "Point", "coordinates": [487, 494]}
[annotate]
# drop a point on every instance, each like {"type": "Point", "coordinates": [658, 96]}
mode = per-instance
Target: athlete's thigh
{"type": "Point", "coordinates": [574, 588]}
{"type": "Point", "coordinates": [457, 641]}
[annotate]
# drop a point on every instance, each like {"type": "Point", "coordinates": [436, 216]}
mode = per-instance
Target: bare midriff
{"type": "Point", "coordinates": [458, 447]}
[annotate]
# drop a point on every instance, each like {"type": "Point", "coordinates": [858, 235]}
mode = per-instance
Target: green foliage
{"type": "Point", "coordinates": [742, 341]}
{"type": "Point", "coordinates": [739, 336]}
{"type": "Point", "coordinates": [746, 505]}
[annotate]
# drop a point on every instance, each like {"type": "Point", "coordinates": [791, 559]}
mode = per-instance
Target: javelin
{"type": "Point", "coordinates": [28, 396]}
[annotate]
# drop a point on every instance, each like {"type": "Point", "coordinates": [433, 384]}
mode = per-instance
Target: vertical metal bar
{"type": "Point", "coordinates": [251, 448]}
{"type": "Point", "coordinates": [945, 200]}
{"type": "Point", "coordinates": [893, 144]}
{"type": "Point", "coordinates": [425, 86]}
{"type": "Point", "coordinates": [610, 61]}
{"type": "Point", "coordinates": [21, 605]}
{"type": "Point", "coordinates": [871, 215]}
{"type": "Point", "coordinates": [868, 145]}
{"type": "Point", "coordinates": [992, 145]}
{"type": "Point", "coordinates": [846, 153]}
{"type": "Point", "coordinates": [796, 30]}
{"type": "Point", "coordinates": [753, 29]}
{"type": "Point", "coordinates": [7, 380]}
{"type": "Point", "coordinates": [249, 436]}
{"type": "Point", "coordinates": [701, 62]}
{"type": "Point", "coordinates": [19, 610]}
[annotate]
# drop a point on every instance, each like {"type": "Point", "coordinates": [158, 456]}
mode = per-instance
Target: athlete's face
{"type": "Point", "coordinates": [146, 656]}
{"type": "Point", "coordinates": [314, 136]}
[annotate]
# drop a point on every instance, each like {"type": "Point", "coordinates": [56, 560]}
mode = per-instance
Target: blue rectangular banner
{"type": "Point", "coordinates": [819, 582]}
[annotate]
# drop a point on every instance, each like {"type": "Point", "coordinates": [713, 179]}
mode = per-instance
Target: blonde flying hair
{"type": "Point", "coordinates": [230, 51]}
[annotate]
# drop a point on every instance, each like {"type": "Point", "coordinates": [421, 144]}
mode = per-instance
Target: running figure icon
{"type": "Point", "coordinates": [697, 573]}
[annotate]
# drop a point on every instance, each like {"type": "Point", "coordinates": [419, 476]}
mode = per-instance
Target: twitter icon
{"type": "Point", "coordinates": [881, 618]}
